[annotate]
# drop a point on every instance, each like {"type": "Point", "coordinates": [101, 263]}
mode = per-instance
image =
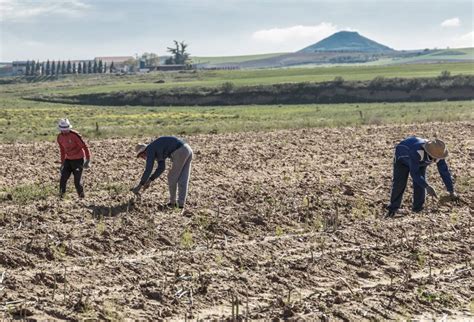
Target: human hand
{"type": "Point", "coordinates": [87, 164]}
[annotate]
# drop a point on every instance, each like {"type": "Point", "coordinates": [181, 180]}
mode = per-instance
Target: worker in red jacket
{"type": "Point", "coordinates": [75, 157]}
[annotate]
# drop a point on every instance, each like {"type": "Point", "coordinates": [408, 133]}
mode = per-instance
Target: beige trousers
{"type": "Point", "coordinates": [178, 176]}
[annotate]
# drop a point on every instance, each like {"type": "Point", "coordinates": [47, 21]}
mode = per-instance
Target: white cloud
{"type": "Point", "coordinates": [297, 34]}
{"type": "Point", "coordinates": [18, 10]}
{"type": "Point", "coordinates": [450, 23]}
{"type": "Point", "coordinates": [463, 41]}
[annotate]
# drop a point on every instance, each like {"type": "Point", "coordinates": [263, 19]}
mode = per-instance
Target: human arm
{"type": "Point", "coordinates": [159, 170]}
{"type": "Point", "coordinates": [150, 161]}
{"type": "Point", "coordinates": [445, 175]}
{"type": "Point", "coordinates": [61, 150]}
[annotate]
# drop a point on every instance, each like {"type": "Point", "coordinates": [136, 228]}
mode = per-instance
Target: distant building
{"type": "Point", "coordinates": [117, 60]}
{"type": "Point", "coordinates": [19, 67]}
{"type": "Point", "coordinates": [6, 69]}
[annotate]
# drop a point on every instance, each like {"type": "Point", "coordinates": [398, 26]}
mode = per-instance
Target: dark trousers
{"type": "Point", "coordinates": [73, 167]}
{"type": "Point", "coordinates": [399, 183]}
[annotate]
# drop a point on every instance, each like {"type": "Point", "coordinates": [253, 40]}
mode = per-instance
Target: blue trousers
{"type": "Point", "coordinates": [399, 183]}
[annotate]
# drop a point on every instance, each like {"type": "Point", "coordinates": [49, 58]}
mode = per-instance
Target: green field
{"type": "Point", "coordinates": [22, 120]}
{"type": "Point", "coordinates": [85, 84]}
{"type": "Point", "coordinates": [458, 54]}
{"type": "Point", "coordinates": [440, 56]}
{"type": "Point", "coordinates": [231, 59]}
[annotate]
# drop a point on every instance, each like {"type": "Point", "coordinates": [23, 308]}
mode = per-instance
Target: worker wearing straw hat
{"type": "Point", "coordinates": [412, 156]}
{"type": "Point", "coordinates": [75, 157]}
{"type": "Point", "coordinates": [181, 156]}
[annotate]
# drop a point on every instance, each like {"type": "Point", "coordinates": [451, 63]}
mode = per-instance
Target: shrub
{"type": "Point", "coordinates": [24, 193]}
{"type": "Point", "coordinates": [377, 82]}
{"type": "Point", "coordinates": [445, 74]}
{"type": "Point", "coordinates": [338, 80]}
{"type": "Point", "coordinates": [228, 87]}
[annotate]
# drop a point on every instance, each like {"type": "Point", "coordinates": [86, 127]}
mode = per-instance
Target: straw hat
{"type": "Point", "coordinates": [436, 149]}
{"type": "Point", "coordinates": [139, 148]}
{"type": "Point", "coordinates": [64, 125]}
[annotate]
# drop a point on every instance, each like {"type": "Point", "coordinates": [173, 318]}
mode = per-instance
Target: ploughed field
{"type": "Point", "coordinates": [282, 224]}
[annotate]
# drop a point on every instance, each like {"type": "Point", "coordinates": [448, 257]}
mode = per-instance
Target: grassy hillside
{"type": "Point", "coordinates": [231, 59]}
{"type": "Point", "coordinates": [109, 83]}
{"type": "Point", "coordinates": [444, 55]}
{"type": "Point", "coordinates": [303, 59]}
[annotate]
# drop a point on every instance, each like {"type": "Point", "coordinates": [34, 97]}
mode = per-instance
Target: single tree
{"type": "Point", "coordinates": [79, 67]}
{"type": "Point", "coordinates": [27, 71]}
{"type": "Point", "coordinates": [63, 68]}
{"type": "Point", "coordinates": [74, 68]}
{"type": "Point", "coordinates": [150, 59]}
{"type": "Point", "coordinates": [38, 68]}
{"type": "Point", "coordinates": [89, 67]}
{"type": "Point", "coordinates": [131, 64]}
{"type": "Point", "coordinates": [53, 68]}
{"type": "Point", "coordinates": [179, 54]}
{"type": "Point", "coordinates": [69, 67]}
{"type": "Point", "coordinates": [32, 68]}
{"type": "Point", "coordinates": [48, 68]}
{"type": "Point", "coordinates": [100, 66]}
{"type": "Point", "coordinates": [94, 69]}
{"type": "Point", "coordinates": [105, 68]}
{"type": "Point", "coordinates": [58, 68]}
{"type": "Point", "coordinates": [112, 68]}
{"type": "Point", "coordinates": [43, 68]}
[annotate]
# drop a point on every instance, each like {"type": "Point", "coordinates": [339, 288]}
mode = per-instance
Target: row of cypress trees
{"type": "Point", "coordinates": [62, 68]}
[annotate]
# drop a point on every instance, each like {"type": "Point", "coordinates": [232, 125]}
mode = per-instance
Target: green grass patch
{"type": "Point", "coordinates": [26, 121]}
{"type": "Point", "coordinates": [30, 192]}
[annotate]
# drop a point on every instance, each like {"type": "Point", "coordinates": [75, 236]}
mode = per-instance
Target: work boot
{"type": "Point", "coordinates": [390, 214]}
{"type": "Point", "coordinates": [81, 195]}
{"type": "Point", "coordinates": [61, 195]}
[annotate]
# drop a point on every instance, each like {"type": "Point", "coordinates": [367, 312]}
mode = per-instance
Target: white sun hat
{"type": "Point", "coordinates": [64, 125]}
{"type": "Point", "coordinates": [140, 148]}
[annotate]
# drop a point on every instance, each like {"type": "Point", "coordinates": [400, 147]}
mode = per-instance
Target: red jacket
{"type": "Point", "coordinates": [72, 146]}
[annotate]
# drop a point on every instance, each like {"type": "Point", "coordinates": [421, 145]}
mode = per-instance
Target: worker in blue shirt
{"type": "Point", "coordinates": [412, 156]}
{"type": "Point", "coordinates": [181, 156]}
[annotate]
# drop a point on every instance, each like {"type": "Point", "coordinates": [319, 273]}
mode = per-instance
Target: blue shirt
{"type": "Point", "coordinates": [159, 150]}
{"type": "Point", "coordinates": [411, 153]}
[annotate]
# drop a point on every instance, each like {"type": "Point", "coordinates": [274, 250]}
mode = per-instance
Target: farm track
{"type": "Point", "coordinates": [295, 226]}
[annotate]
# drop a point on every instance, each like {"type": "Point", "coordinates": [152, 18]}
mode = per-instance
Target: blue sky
{"type": "Point", "coordinates": [81, 29]}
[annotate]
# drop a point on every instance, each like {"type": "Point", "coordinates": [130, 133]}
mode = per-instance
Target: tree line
{"type": "Point", "coordinates": [179, 55]}
{"type": "Point", "coordinates": [48, 68]}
